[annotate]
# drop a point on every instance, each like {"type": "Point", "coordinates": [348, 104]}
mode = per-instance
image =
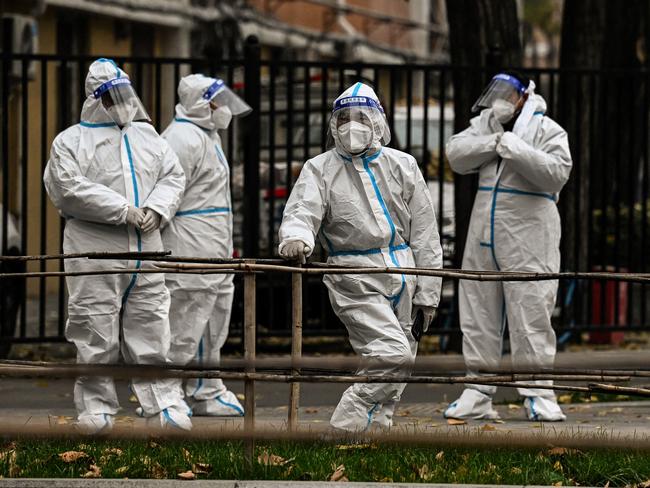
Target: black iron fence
{"type": "Point", "coordinates": [604, 208]}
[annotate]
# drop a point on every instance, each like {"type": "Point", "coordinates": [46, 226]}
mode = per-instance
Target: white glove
{"type": "Point", "coordinates": [295, 250]}
{"type": "Point", "coordinates": [509, 145]}
{"type": "Point", "coordinates": [134, 216]}
{"type": "Point", "coordinates": [428, 312]}
{"type": "Point", "coordinates": [150, 222]}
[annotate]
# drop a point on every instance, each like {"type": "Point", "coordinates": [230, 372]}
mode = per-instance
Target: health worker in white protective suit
{"type": "Point", "coordinates": [370, 206]}
{"type": "Point", "coordinates": [201, 304]}
{"type": "Point", "coordinates": [114, 179]}
{"type": "Point", "coordinates": [523, 161]}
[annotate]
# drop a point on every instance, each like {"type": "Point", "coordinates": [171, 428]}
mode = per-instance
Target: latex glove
{"type": "Point", "coordinates": [134, 216]}
{"type": "Point", "coordinates": [510, 145]}
{"type": "Point", "coordinates": [150, 222]}
{"type": "Point", "coordinates": [295, 250]}
{"type": "Point", "coordinates": [428, 312]}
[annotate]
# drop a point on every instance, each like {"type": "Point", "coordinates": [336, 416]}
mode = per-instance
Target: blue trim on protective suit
{"type": "Point", "coordinates": [134, 180]}
{"type": "Point", "coordinates": [98, 125]}
{"type": "Point", "coordinates": [188, 121]}
{"type": "Point", "coordinates": [492, 212]}
{"type": "Point", "coordinates": [357, 87]}
{"type": "Point", "coordinates": [169, 419]}
{"type": "Point", "coordinates": [538, 113]}
{"type": "Point", "coordinates": [231, 405]}
{"type": "Point", "coordinates": [485, 244]}
{"type": "Point", "coordinates": [370, 413]}
{"type": "Point", "coordinates": [210, 210]}
{"type": "Point", "coordinates": [451, 405]}
{"type": "Point", "coordinates": [395, 298]}
{"type": "Point", "coordinates": [518, 192]}
{"type": "Point", "coordinates": [532, 408]}
{"type": "Point", "coordinates": [365, 252]}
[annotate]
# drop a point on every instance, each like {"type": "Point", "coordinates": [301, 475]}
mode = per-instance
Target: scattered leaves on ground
{"type": "Point", "coordinates": [346, 447]}
{"type": "Point", "coordinates": [133, 399]}
{"type": "Point", "coordinates": [564, 399]}
{"type": "Point", "coordinates": [424, 473]}
{"type": "Point", "coordinates": [514, 406]}
{"type": "Point", "coordinates": [72, 456]}
{"type": "Point", "coordinates": [201, 468]}
{"type": "Point", "coordinates": [94, 471]}
{"type": "Point", "coordinates": [268, 459]}
{"type": "Point", "coordinates": [339, 473]}
{"type": "Point", "coordinates": [440, 456]}
{"type": "Point", "coordinates": [516, 470]}
{"type": "Point", "coordinates": [455, 422]}
{"type": "Point", "coordinates": [122, 470]}
{"type": "Point", "coordinates": [187, 475]}
{"type": "Point", "coordinates": [186, 455]}
{"type": "Point", "coordinates": [488, 427]}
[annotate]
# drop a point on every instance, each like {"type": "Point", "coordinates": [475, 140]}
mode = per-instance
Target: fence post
{"type": "Point", "coordinates": [251, 129]}
{"type": "Point", "coordinates": [249, 356]}
{"type": "Point", "coordinates": [296, 346]}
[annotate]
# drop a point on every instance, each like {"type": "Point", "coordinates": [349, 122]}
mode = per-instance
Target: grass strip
{"type": "Point", "coordinates": [320, 461]}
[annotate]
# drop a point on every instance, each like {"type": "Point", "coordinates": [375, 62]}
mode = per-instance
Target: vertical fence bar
{"type": "Point", "coordinates": [296, 347]}
{"type": "Point", "coordinates": [271, 186]}
{"type": "Point", "coordinates": [65, 118]}
{"type": "Point", "coordinates": [251, 140]}
{"type": "Point", "coordinates": [409, 111]}
{"type": "Point", "coordinates": [425, 124]}
{"type": "Point", "coordinates": [42, 303]}
{"type": "Point", "coordinates": [6, 68]}
{"type": "Point", "coordinates": [644, 196]}
{"type": "Point", "coordinates": [23, 181]}
{"type": "Point", "coordinates": [249, 355]}
{"type": "Point", "coordinates": [441, 148]}
{"type": "Point", "coordinates": [158, 100]}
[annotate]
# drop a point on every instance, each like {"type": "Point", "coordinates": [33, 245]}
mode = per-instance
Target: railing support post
{"type": "Point", "coordinates": [296, 347]}
{"type": "Point", "coordinates": [249, 356]}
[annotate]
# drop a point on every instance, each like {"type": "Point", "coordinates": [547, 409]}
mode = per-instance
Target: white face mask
{"type": "Point", "coordinates": [503, 110]}
{"type": "Point", "coordinates": [221, 117]}
{"type": "Point", "coordinates": [355, 137]}
{"type": "Point", "coordinates": [123, 113]}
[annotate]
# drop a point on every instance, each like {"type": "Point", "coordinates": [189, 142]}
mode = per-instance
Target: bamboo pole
{"type": "Point", "coordinates": [250, 322]}
{"type": "Point", "coordinates": [296, 347]}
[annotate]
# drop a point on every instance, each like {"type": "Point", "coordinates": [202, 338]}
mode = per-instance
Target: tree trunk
{"type": "Point", "coordinates": [483, 37]}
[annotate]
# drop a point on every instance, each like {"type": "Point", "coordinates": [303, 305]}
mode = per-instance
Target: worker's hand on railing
{"type": "Point", "coordinates": [296, 249]}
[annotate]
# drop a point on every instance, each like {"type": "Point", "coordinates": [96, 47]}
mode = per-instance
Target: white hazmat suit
{"type": "Point", "coordinates": [99, 172]}
{"type": "Point", "coordinates": [201, 304]}
{"type": "Point", "coordinates": [515, 226]}
{"type": "Point", "coordinates": [373, 209]}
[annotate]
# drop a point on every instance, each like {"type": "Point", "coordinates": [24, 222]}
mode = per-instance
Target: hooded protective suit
{"type": "Point", "coordinates": [515, 226]}
{"type": "Point", "coordinates": [369, 210]}
{"type": "Point", "coordinates": [96, 173]}
{"type": "Point", "coordinates": [200, 304]}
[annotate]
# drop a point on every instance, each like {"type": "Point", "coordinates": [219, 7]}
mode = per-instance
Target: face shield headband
{"type": "Point", "coordinates": [348, 102]}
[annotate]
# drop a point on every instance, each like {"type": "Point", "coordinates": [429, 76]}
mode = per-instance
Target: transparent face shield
{"type": "Point", "coordinates": [357, 124]}
{"type": "Point", "coordinates": [219, 95]}
{"type": "Point", "coordinates": [501, 87]}
{"type": "Point", "coordinates": [121, 102]}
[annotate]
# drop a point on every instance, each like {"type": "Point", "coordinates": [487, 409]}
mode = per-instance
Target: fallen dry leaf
{"type": "Point", "coordinates": [113, 451]}
{"type": "Point", "coordinates": [133, 399]}
{"type": "Point", "coordinates": [186, 455]}
{"type": "Point", "coordinates": [94, 471]}
{"type": "Point", "coordinates": [403, 413]}
{"type": "Point", "coordinates": [557, 451]}
{"type": "Point", "coordinates": [564, 399]}
{"type": "Point", "coordinates": [72, 456]}
{"type": "Point", "coordinates": [513, 406]}
{"type": "Point", "coordinates": [201, 468]}
{"type": "Point", "coordinates": [311, 410]}
{"type": "Point", "coordinates": [558, 466]}
{"type": "Point", "coordinates": [606, 485]}
{"type": "Point", "coordinates": [240, 397]}
{"type": "Point", "coordinates": [153, 445]}
{"type": "Point", "coordinates": [122, 470]}
{"type": "Point", "coordinates": [346, 447]}
{"type": "Point", "coordinates": [498, 421]}
{"type": "Point", "coordinates": [516, 470]}
{"type": "Point", "coordinates": [187, 475]}
{"type": "Point", "coordinates": [488, 427]}
{"type": "Point", "coordinates": [267, 459]}
{"type": "Point", "coordinates": [14, 469]}
{"type": "Point", "coordinates": [557, 483]}
{"type": "Point", "coordinates": [455, 422]}
{"type": "Point", "coordinates": [424, 473]}
{"type": "Point", "coordinates": [158, 472]}
{"type": "Point", "coordinates": [440, 455]}
{"type": "Point", "coordinates": [338, 474]}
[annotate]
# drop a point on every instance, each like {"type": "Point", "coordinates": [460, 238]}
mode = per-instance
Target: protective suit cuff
{"type": "Point", "coordinates": [164, 215]}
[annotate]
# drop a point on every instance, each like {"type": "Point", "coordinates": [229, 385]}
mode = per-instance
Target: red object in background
{"type": "Point", "coordinates": [280, 192]}
{"type": "Point", "coordinates": [609, 319]}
